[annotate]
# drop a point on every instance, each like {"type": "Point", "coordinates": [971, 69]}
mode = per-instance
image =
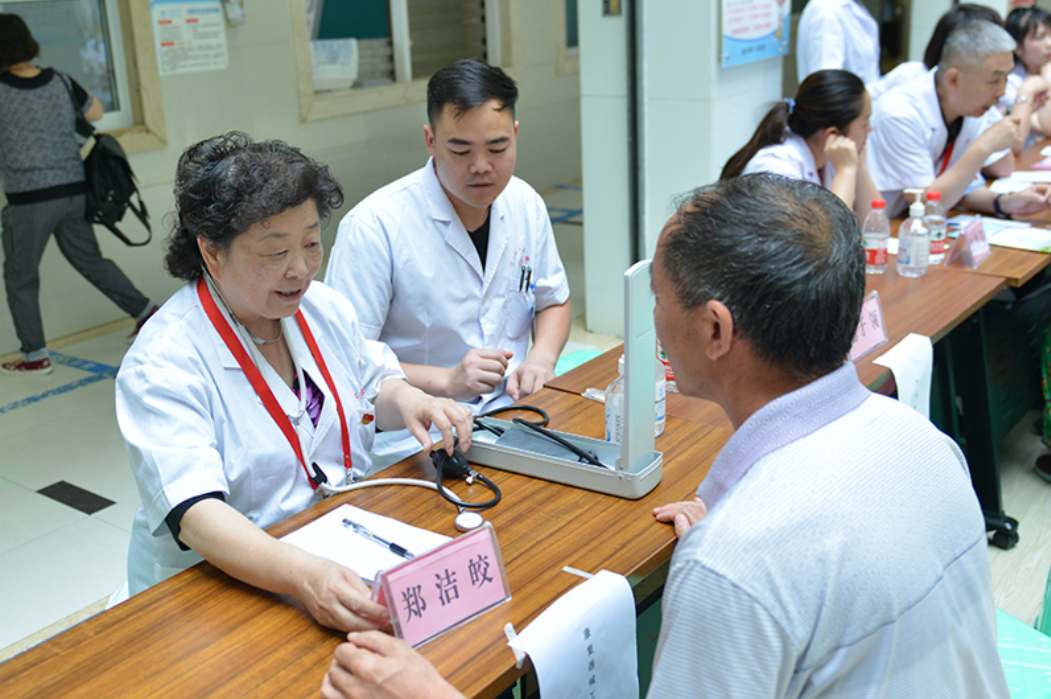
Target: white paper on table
{"type": "Point", "coordinates": [912, 361]}
{"type": "Point", "coordinates": [583, 645]}
{"type": "Point", "coordinates": [1007, 185]}
{"type": "Point", "coordinates": [1030, 176]}
{"type": "Point", "coordinates": [1035, 239]}
{"type": "Point", "coordinates": [990, 225]}
{"type": "Point", "coordinates": [327, 537]}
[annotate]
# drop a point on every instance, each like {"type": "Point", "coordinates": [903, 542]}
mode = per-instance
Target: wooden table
{"type": "Point", "coordinates": [932, 305]}
{"type": "Point", "coordinates": [203, 634]}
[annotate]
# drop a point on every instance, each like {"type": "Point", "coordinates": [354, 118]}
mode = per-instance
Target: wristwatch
{"type": "Point", "coordinates": [1022, 100]}
{"type": "Point", "coordinates": [998, 209]}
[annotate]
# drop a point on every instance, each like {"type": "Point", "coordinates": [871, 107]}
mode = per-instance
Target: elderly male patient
{"type": "Point", "coordinates": [836, 548]}
{"type": "Point", "coordinates": [942, 129]}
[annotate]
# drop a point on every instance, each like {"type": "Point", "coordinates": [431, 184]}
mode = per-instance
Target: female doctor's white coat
{"type": "Point", "coordinates": [193, 424]}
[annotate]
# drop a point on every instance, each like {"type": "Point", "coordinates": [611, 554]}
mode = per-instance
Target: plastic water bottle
{"type": "Point", "coordinates": [935, 218]}
{"type": "Point", "coordinates": [914, 242]}
{"type": "Point", "coordinates": [876, 233]}
{"type": "Point", "coordinates": [615, 404]}
{"type": "Point", "coordinates": [669, 375]}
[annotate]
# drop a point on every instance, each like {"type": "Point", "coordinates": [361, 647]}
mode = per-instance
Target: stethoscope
{"type": "Point", "coordinates": [465, 520]}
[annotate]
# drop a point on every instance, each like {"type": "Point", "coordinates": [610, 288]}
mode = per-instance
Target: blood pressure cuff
{"type": "Point", "coordinates": [174, 517]}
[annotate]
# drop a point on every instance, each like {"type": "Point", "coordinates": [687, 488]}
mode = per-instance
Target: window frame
{"type": "Point", "coordinates": [501, 40]}
{"type": "Point", "coordinates": [567, 58]}
{"type": "Point", "coordinates": [135, 66]}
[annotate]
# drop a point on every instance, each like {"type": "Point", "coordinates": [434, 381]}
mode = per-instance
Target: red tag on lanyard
{"type": "Point", "coordinates": [255, 377]}
{"type": "Point", "coordinates": [947, 156]}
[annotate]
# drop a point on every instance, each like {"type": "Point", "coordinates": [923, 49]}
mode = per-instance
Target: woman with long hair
{"type": "Point", "coordinates": [818, 136]}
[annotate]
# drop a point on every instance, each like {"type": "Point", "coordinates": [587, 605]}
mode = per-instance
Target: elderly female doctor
{"type": "Point", "coordinates": [253, 387]}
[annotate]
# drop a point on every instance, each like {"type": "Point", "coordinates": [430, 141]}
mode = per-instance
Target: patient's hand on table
{"type": "Point", "coordinates": [683, 514]}
{"type": "Point", "coordinates": [374, 664]}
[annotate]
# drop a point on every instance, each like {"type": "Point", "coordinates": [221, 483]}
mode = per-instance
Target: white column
{"type": "Point", "coordinates": [923, 16]}
{"type": "Point", "coordinates": [693, 115]}
{"type": "Point", "coordinates": [604, 145]}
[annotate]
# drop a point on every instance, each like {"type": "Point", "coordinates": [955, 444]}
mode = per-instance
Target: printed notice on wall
{"type": "Point", "coordinates": [754, 30]}
{"type": "Point", "coordinates": [190, 35]}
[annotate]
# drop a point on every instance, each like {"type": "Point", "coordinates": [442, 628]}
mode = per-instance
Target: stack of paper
{"type": "Point", "coordinates": [327, 537]}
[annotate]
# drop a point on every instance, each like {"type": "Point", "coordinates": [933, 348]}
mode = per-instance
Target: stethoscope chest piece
{"type": "Point", "coordinates": [468, 521]}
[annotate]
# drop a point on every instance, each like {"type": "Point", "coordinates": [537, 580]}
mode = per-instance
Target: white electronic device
{"type": "Point", "coordinates": [630, 469]}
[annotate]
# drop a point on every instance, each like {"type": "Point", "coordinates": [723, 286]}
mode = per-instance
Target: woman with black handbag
{"type": "Point", "coordinates": [43, 180]}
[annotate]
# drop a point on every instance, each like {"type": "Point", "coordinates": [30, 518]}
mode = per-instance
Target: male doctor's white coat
{"type": "Point", "coordinates": [193, 423]}
{"type": "Point", "coordinates": [907, 146]}
{"type": "Point", "coordinates": [404, 259]}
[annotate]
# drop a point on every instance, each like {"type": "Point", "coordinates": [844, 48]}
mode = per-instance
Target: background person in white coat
{"type": "Point", "coordinates": [939, 131]}
{"type": "Point", "coordinates": [452, 264]}
{"type": "Point", "coordinates": [819, 137]}
{"type": "Point", "coordinates": [1030, 27]}
{"type": "Point", "coordinates": [837, 34]}
{"type": "Point", "coordinates": [932, 55]}
{"type": "Point", "coordinates": [211, 460]}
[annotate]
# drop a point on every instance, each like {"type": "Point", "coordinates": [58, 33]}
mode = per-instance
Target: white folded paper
{"type": "Point", "coordinates": [912, 361]}
{"type": "Point", "coordinates": [583, 645]}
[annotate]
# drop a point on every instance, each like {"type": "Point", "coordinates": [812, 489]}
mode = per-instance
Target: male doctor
{"type": "Point", "coordinates": [453, 265]}
{"type": "Point", "coordinates": [838, 34]}
{"type": "Point", "coordinates": [942, 129]}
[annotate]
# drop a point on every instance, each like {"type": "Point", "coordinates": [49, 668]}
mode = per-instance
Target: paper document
{"type": "Point", "coordinates": [912, 361]}
{"type": "Point", "coordinates": [583, 645]}
{"type": "Point", "coordinates": [1005, 233]}
{"type": "Point", "coordinates": [327, 537]}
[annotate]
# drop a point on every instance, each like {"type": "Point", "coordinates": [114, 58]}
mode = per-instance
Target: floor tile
{"type": "Point", "coordinates": [26, 516]}
{"type": "Point", "coordinates": [107, 349]}
{"type": "Point", "coordinates": [87, 451]}
{"type": "Point", "coordinates": [76, 497]}
{"type": "Point", "coordinates": [54, 410]}
{"type": "Point", "coordinates": [59, 574]}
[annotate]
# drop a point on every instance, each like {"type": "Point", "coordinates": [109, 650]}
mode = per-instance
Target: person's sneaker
{"type": "Point", "coordinates": [22, 367]}
{"type": "Point", "coordinates": [1043, 467]}
{"type": "Point", "coordinates": [138, 326]}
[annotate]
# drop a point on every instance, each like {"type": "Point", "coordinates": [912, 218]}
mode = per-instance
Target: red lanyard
{"type": "Point", "coordinates": [263, 390]}
{"type": "Point", "coordinates": [947, 156]}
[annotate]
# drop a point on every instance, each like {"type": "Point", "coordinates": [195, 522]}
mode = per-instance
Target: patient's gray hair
{"type": "Point", "coordinates": [970, 44]}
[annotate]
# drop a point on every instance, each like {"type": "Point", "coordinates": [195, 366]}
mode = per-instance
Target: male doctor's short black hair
{"type": "Point", "coordinates": [468, 84]}
{"type": "Point", "coordinates": [784, 255]}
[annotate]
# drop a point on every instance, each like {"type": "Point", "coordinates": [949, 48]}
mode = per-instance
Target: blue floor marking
{"type": "Point", "coordinates": [98, 372]}
{"type": "Point", "coordinates": [26, 402]}
{"type": "Point", "coordinates": [84, 365]}
{"type": "Point", "coordinates": [562, 215]}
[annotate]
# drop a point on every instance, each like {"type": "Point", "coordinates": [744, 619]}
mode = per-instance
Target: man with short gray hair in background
{"type": "Point", "coordinates": [942, 130]}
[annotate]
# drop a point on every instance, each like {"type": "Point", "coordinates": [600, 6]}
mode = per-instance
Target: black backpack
{"type": "Point", "coordinates": [109, 180]}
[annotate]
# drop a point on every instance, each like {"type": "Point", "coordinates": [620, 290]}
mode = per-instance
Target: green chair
{"type": "Point", "coordinates": [1026, 657]}
{"type": "Point", "coordinates": [574, 359]}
